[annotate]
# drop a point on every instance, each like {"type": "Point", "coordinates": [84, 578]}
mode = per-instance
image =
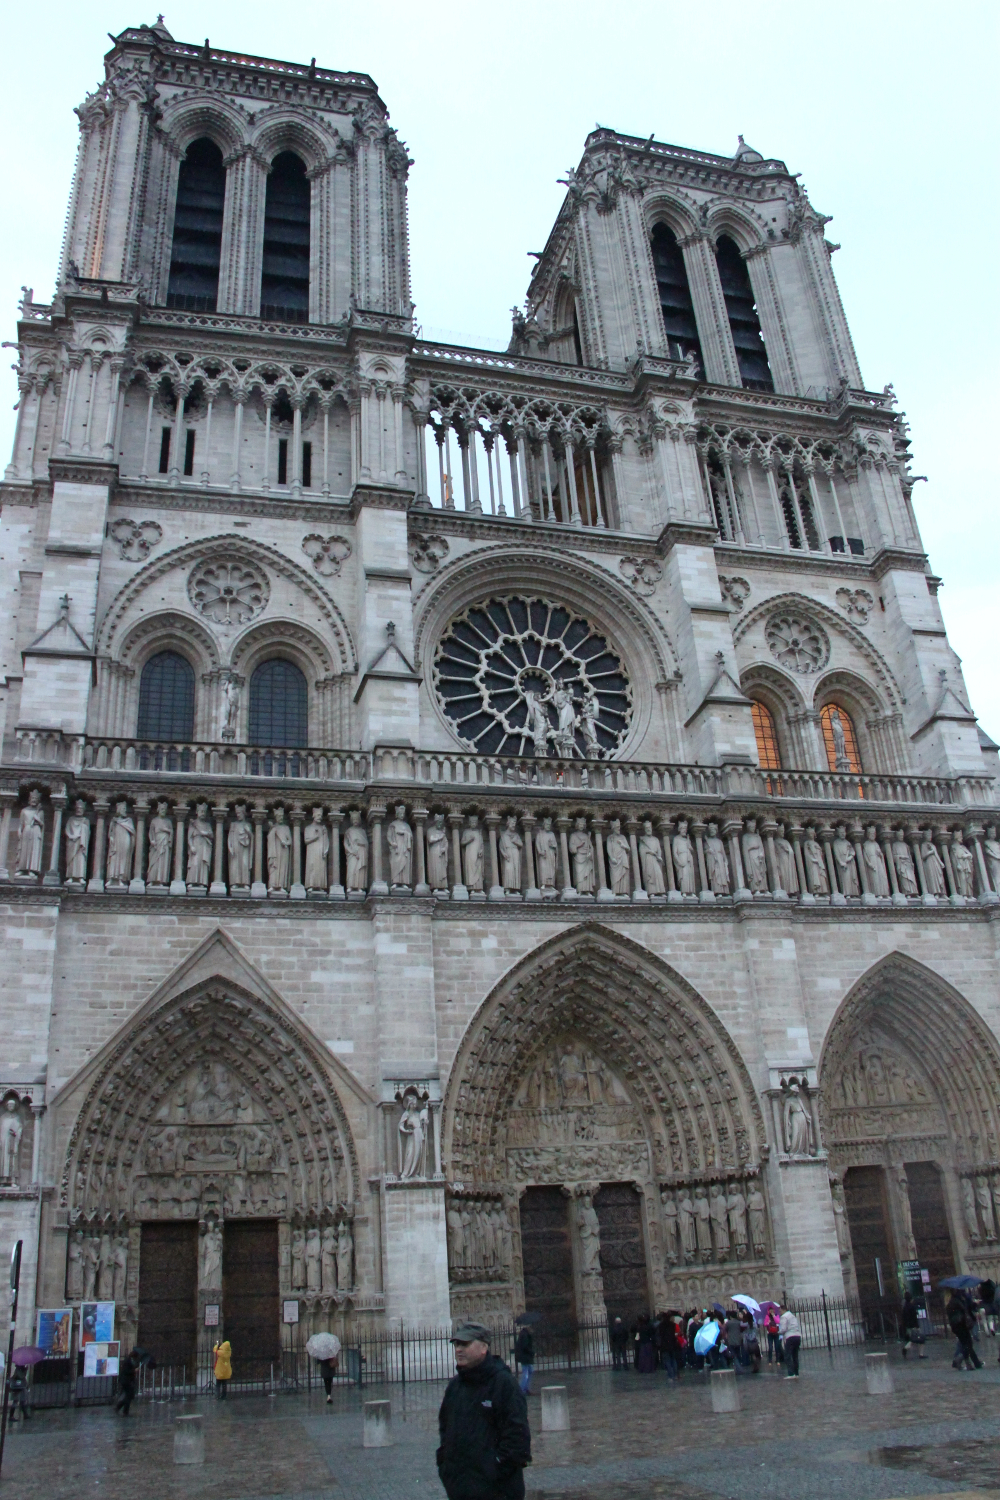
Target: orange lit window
{"type": "Point", "coordinates": [767, 738]}
{"type": "Point", "coordinates": [841, 741]}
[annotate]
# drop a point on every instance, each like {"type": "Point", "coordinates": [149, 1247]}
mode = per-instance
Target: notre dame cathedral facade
{"type": "Point", "coordinates": [479, 830]}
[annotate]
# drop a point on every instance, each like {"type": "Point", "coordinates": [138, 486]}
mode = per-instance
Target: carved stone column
{"type": "Point", "coordinates": [177, 885]}
{"type": "Point", "coordinates": [868, 897]}
{"type": "Point", "coordinates": [7, 799]}
{"type": "Point", "coordinates": [826, 836]}
{"type": "Point", "coordinates": [96, 881]}
{"type": "Point", "coordinates": [419, 820]}
{"type": "Point", "coordinates": [568, 889]}
{"type": "Point", "coordinates": [974, 834]}
{"type": "Point", "coordinates": [639, 893]}
{"type": "Point", "coordinates": [940, 837]}
{"type": "Point", "coordinates": [665, 828]}
{"type": "Point", "coordinates": [336, 817]}
{"type": "Point", "coordinates": [532, 893]}
{"type": "Point", "coordinates": [597, 827]}
{"type": "Point", "coordinates": [885, 838]}
{"type": "Point", "coordinates": [705, 892]}
{"type": "Point", "coordinates": [298, 890]}
{"type": "Point", "coordinates": [769, 828]}
{"type": "Point", "coordinates": [806, 897]}
{"type": "Point", "coordinates": [137, 885]}
{"type": "Point", "coordinates": [732, 831]}
{"type": "Point", "coordinates": [58, 801]}
{"type": "Point", "coordinates": [496, 889]}
{"type": "Point", "coordinates": [259, 887]}
{"type": "Point", "coordinates": [459, 891]}
{"type": "Point", "coordinates": [913, 836]}
{"type": "Point", "coordinates": [218, 886]}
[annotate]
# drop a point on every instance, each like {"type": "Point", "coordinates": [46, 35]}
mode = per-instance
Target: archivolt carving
{"type": "Point", "coordinates": [215, 1100]}
{"type": "Point", "coordinates": [655, 1039]}
{"type": "Point", "coordinates": [166, 629]}
{"type": "Point", "coordinates": [835, 626]}
{"type": "Point", "coordinates": [289, 637]}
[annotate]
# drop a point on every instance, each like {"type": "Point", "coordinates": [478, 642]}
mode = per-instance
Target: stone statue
{"type": "Point", "coordinates": [682, 850]}
{"type": "Point", "coordinates": [317, 841]}
{"type": "Point", "coordinates": [906, 875]}
{"type": "Point", "coordinates": [903, 1207]}
{"type": "Point", "coordinates": [618, 860]}
{"type": "Point", "coordinates": [437, 854]}
{"type": "Point", "coordinates": [345, 1257]}
{"type": "Point", "coordinates": [121, 846]}
{"type": "Point", "coordinates": [11, 1131]}
{"type": "Point", "coordinates": [797, 1123]}
{"type": "Point", "coordinates": [703, 1223]}
{"type": "Point", "coordinates": [736, 1209]}
{"type": "Point", "coordinates": [161, 842]}
{"type": "Point", "coordinates": [962, 866]}
{"type": "Point", "coordinates": [240, 844]}
{"type": "Point", "coordinates": [328, 1259]}
{"type": "Point", "coordinates": [314, 1254]}
{"type": "Point", "coordinates": [841, 759]}
{"type": "Point", "coordinates": [933, 868]}
{"type": "Point", "coordinates": [91, 1256]}
{"type": "Point", "coordinates": [356, 854]}
{"type": "Point", "coordinates": [564, 738]}
{"type": "Point", "coordinates": [590, 712]}
{"type": "Point", "coordinates": [815, 865]}
{"type": "Point", "coordinates": [121, 1268]}
{"type": "Point", "coordinates": [840, 1217]}
{"type": "Point", "coordinates": [201, 839]}
{"type": "Point", "coordinates": [77, 844]}
{"type": "Point", "coordinates": [996, 1200]}
{"type": "Point", "coordinates": [685, 1222]}
{"type": "Point", "coordinates": [720, 1222]}
{"type": "Point", "coordinates": [538, 723]}
{"type": "Point", "coordinates": [31, 828]}
{"type": "Point", "coordinates": [412, 1137]}
{"type": "Point", "coordinates": [590, 1235]}
{"type": "Point", "coordinates": [969, 1209]}
{"type": "Point", "coordinates": [298, 1259]}
{"type": "Point", "coordinates": [510, 843]}
{"type": "Point", "coordinates": [279, 853]}
{"type": "Point", "coordinates": [472, 854]}
{"type": "Point", "coordinates": [106, 1270]}
{"type": "Point", "coordinates": [230, 708]}
{"type": "Point", "coordinates": [581, 850]}
{"type": "Point", "coordinates": [754, 860]}
{"type": "Point", "coordinates": [456, 1238]}
{"type": "Point", "coordinates": [399, 837]}
{"type": "Point", "coordinates": [985, 1200]}
{"type": "Point", "coordinates": [74, 1267]}
{"type": "Point", "coordinates": [545, 856]}
{"type": "Point", "coordinates": [715, 859]}
{"type": "Point", "coordinates": [991, 849]}
{"type": "Point", "coordinates": [651, 860]}
{"type": "Point", "coordinates": [671, 1227]}
{"type": "Point", "coordinates": [757, 1212]}
{"type": "Point", "coordinates": [788, 876]}
{"type": "Point", "coordinates": [846, 861]}
{"type": "Point", "coordinates": [878, 878]}
{"type": "Point", "coordinates": [211, 1257]}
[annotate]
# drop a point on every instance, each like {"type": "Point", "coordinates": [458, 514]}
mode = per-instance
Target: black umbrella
{"type": "Point", "coordinates": [142, 1356]}
{"type": "Point", "coordinates": [523, 1319]}
{"type": "Point", "coordinates": [961, 1283]}
{"type": "Point", "coordinates": [717, 1307]}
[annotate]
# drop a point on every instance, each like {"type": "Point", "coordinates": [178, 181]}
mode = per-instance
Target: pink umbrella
{"type": "Point", "coordinates": [28, 1354]}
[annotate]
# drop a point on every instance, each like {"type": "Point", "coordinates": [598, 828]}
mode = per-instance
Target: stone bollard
{"type": "Point", "coordinates": [378, 1424]}
{"type": "Point", "coordinates": [725, 1395]}
{"type": "Point", "coordinates": [878, 1375]}
{"type": "Point", "coordinates": [189, 1440]}
{"type": "Point", "coordinates": [555, 1409]}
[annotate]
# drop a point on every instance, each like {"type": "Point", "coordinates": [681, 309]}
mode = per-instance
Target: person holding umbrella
{"type": "Point", "coordinates": [961, 1321]}
{"type": "Point", "coordinates": [325, 1348]}
{"type": "Point", "coordinates": [18, 1388]}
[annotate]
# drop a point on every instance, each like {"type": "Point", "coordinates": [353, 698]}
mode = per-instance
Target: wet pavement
{"type": "Point", "coordinates": [633, 1438]}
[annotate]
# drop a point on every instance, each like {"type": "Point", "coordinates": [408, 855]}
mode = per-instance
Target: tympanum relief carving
{"type": "Point", "coordinates": [878, 1092]}
{"type": "Point", "coordinates": [573, 1118]}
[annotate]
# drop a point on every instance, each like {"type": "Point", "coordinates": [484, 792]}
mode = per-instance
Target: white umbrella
{"type": "Point", "coordinates": [323, 1346]}
{"type": "Point", "coordinates": [746, 1301]}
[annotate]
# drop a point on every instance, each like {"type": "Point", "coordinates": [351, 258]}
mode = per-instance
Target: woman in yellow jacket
{"type": "Point", "coordinates": [223, 1367]}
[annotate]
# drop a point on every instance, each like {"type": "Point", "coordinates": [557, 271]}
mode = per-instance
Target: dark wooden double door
{"type": "Point", "coordinates": [872, 1241]}
{"type": "Point", "coordinates": [250, 1312]}
{"type": "Point", "coordinates": [547, 1254]}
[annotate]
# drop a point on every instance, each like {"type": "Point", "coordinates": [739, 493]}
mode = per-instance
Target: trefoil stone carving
{"type": "Point", "coordinates": [136, 539]}
{"type": "Point", "coordinates": [328, 553]}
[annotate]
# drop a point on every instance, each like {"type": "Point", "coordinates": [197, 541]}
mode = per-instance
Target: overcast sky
{"type": "Point", "coordinates": [886, 110]}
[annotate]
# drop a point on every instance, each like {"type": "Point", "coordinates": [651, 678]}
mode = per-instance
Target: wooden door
{"type": "Point", "coordinates": [251, 1310]}
{"type": "Point", "coordinates": [547, 1254]}
{"type": "Point", "coordinates": [871, 1239]}
{"type": "Point", "coordinates": [623, 1251]}
{"type": "Point", "coordinates": [168, 1294]}
{"type": "Point", "coordinates": [930, 1224]}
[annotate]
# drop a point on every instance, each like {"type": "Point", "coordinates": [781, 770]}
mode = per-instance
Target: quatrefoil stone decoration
{"type": "Point", "coordinates": [229, 591]}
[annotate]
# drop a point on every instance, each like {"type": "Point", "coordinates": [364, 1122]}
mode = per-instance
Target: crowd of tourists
{"type": "Point", "coordinates": [716, 1338]}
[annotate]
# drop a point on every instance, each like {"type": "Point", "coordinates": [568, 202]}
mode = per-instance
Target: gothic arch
{"type": "Point", "coordinates": [670, 209]}
{"type": "Point", "coordinates": [168, 630]}
{"type": "Point", "coordinates": [742, 227]}
{"type": "Point", "coordinates": [683, 1071]}
{"type": "Point", "coordinates": [282, 129]}
{"type": "Point", "coordinates": [191, 117]}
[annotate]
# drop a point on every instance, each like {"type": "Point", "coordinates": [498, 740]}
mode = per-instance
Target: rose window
{"type": "Point", "coordinates": [525, 677]}
{"type": "Point", "coordinates": [228, 593]}
{"type": "Point", "coordinates": [797, 643]}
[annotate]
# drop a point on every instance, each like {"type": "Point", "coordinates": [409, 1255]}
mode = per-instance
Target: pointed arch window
{"type": "Point", "coordinates": [278, 705]}
{"type": "Point", "coordinates": [751, 354]}
{"type": "Point", "coordinates": [766, 734]}
{"type": "Point", "coordinates": [197, 245]}
{"type": "Point", "coordinates": [166, 698]}
{"type": "Point", "coordinates": [840, 739]}
{"type": "Point", "coordinates": [675, 294]}
{"type": "Point", "coordinates": [284, 285]}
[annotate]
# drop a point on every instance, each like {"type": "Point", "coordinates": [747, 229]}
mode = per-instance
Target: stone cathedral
{"type": "Point", "coordinates": [480, 831]}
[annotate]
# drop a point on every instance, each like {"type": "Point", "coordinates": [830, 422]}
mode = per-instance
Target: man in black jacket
{"type": "Point", "coordinates": [485, 1438]}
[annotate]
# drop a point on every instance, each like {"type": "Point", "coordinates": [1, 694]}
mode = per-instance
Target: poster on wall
{"type": "Point", "coordinates": [55, 1332]}
{"type": "Point", "coordinates": [97, 1323]}
{"type": "Point", "coordinates": [101, 1359]}
{"type": "Point", "coordinates": [290, 1311]}
{"type": "Point", "coordinates": [211, 1314]}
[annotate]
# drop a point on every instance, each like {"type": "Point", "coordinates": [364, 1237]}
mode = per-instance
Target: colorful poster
{"type": "Point", "coordinates": [101, 1359]}
{"type": "Point", "coordinates": [97, 1323]}
{"type": "Point", "coordinates": [55, 1332]}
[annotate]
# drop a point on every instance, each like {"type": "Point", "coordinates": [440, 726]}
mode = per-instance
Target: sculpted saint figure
{"type": "Point", "coordinates": [298, 1259]}
{"type": "Point", "coordinates": [685, 1220]}
{"type": "Point", "coordinates": [106, 1270]}
{"type": "Point", "coordinates": [798, 1125]}
{"type": "Point", "coordinates": [314, 1254]}
{"type": "Point", "coordinates": [356, 854]}
{"type": "Point", "coordinates": [437, 854]}
{"type": "Point", "coordinates": [545, 856]}
{"type": "Point", "coordinates": [200, 841]}
{"type": "Point", "coordinates": [906, 875]}
{"type": "Point", "coordinates": [121, 846]}
{"type": "Point", "coordinates": [703, 1223]}
{"type": "Point", "coordinates": [788, 876]}
{"type": "Point", "coordinates": [345, 1257]}
{"type": "Point", "coordinates": [757, 1211]}
{"type": "Point", "coordinates": [91, 1256]}
{"type": "Point", "coordinates": [736, 1208]}
{"type": "Point", "coordinates": [399, 836]}
{"type": "Point", "coordinates": [328, 1259]}
{"type": "Point", "coordinates": [991, 849]}
{"type": "Point", "coordinates": [511, 843]}
{"type": "Point", "coordinates": [933, 868]}
{"type": "Point", "coordinates": [651, 860]}
{"type": "Point", "coordinates": [590, 1235]}
{"type": "Point", "coordinates": [317, 841]}
{"type": "Point", "coordinates": [670, 1226]}
{"type": "Point", "coordinates": [538, 723]}
{"type": "Point", "coordinates": [684, 867]}
{"type": "Point", "coordinates": [754, 861]}
{"type": "Point", "coordinates": [412, 1135]}
{"type": "Point", "coordinates": [74, 1268]}
{"type": "Point", "coordinates": [962, 867]}
{"type": "Point", "coordinates": [878, 879]}
{"type": "Point", "coordinates": [846, 861]}
{"type": "Point", "coordinates": [31, 827]}
{"type": "Point", "coordinates": [565, 734]}
{"type": "Point", "coordinates": [582, 852]}
{"type": "Point", "coordinates": [11, 1130]}
{"type": "Point", "coordinates": [715, 859]}
{"type": "Point", "coordinates": [841, 759]}
{"type": "Point", "coordinates": [985, 1200]}
{"type": "Point", "coordinates": [230, 708]}
{"type": "Point", "coordinates": [590, 712]}
{"type": "Point", "coordinates": [456, 1238]}
{"type": "Point", "coordinates": [240, 843]}
{"type": "Point", "coordinates": [618, 860]}
{"type": "Point", "coordinates": [815, 865]}
{"type": "Point", "coordinates": [279, 853]}
{"type": "Point", "coordinates": [840, 1217]}
{"type": "Point", "coordinates": [121, 1268]}
{"type": "Point", "coordinates": [472, 854]}
{"type": "Point", "coordinates": [161, 842]}
{"type": "Point", "coordinates": [77, 844]}
{"type": "Point", "coordinates": [720, 1222]}
{"type": "Point", "coordinates": [969, 1209]}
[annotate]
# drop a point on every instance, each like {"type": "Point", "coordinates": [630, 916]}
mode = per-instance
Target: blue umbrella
{"type": "Point", "coordinates": [961, 1283]}
{"type": "Point", "coordinates": [705, 1338]}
